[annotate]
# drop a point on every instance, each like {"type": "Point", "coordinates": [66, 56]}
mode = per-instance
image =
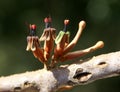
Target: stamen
{"type": "Point", "coordinates": [66, 22]}
{"type": "Point", "coordinates": [32, 29]}
{"type": "Point", "coordinates": [47, 21]}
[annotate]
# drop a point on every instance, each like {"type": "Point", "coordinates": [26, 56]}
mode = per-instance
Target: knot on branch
{"type": "Point", "coordinates": [82, 76]}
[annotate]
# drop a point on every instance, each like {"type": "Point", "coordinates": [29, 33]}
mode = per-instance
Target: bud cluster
{"type": "Point", "coordinates": [56, 48]}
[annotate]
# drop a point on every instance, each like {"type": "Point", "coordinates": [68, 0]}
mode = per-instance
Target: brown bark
{"type": "Point", "coordinates": [79, 73]}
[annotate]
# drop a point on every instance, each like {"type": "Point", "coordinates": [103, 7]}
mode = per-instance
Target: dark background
{"type": "Point", "coordinates": [103, 23]}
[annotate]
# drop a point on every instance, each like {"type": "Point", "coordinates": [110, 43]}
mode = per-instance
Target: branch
{"type": "Point", "coordinates": [80, 73]}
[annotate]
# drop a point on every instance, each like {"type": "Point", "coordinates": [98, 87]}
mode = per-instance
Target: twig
{"type": "Point", "coordinates": [80, 73]}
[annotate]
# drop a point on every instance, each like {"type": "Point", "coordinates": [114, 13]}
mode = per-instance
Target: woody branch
{"type": "Point", "coordinates": [80, 73]}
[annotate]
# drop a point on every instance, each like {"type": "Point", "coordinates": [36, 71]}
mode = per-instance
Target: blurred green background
{"type": "Point", "coordinates": [103, 23]}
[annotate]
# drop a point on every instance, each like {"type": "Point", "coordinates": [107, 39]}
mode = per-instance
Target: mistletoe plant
{"type": "Point", "coordinates": [56, 48]}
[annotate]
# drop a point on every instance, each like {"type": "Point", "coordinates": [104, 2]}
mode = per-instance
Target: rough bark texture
{"type": "Point", "coordinates": [80, 73]}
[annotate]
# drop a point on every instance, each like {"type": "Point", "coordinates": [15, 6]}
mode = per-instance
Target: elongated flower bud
{"type": "Point", "coordinates": [82, 25]}
{"type": "Point", "coordinates": [80, 53]}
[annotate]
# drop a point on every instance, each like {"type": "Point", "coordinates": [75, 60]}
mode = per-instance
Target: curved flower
{"type": "Point", "coordinates": [62, 40]}
{"type": "Point", "coordinates": [34, 44]}
{"type": "Point", "coordinates": [48, 36]}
